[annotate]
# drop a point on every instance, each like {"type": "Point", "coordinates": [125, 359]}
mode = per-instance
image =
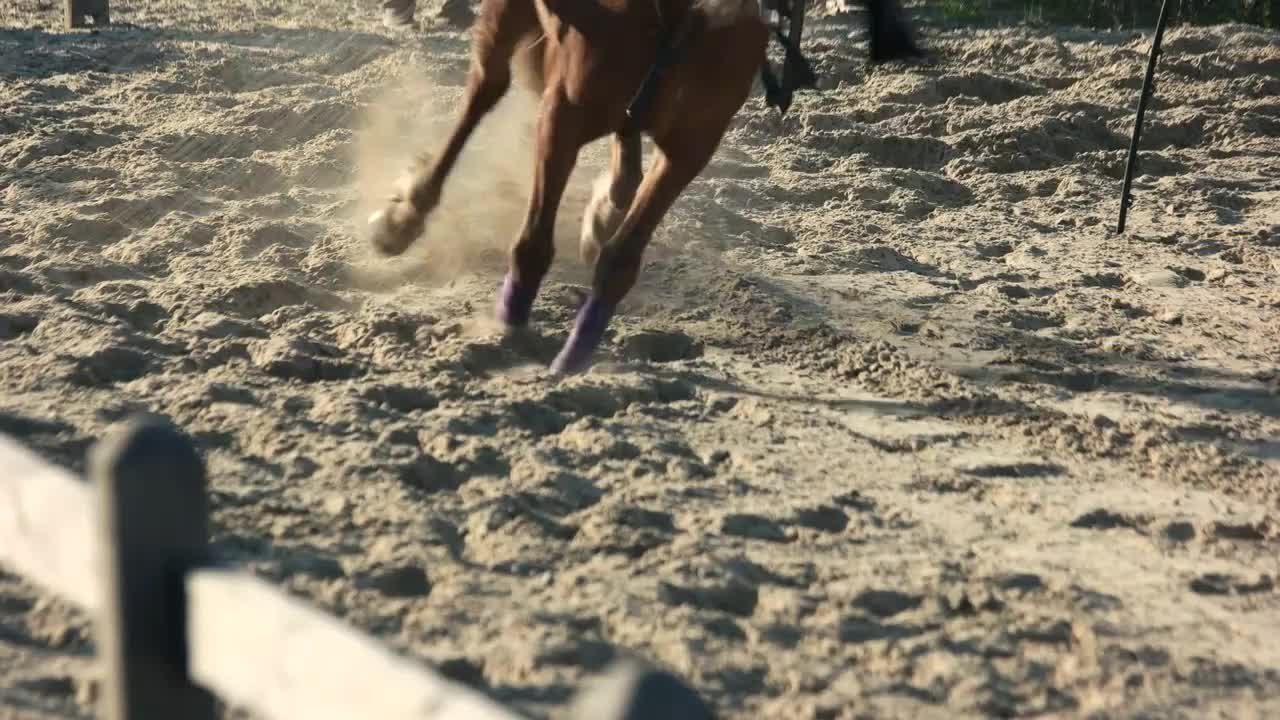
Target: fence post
{"type": "Point", "coordinates": [154, 527]}
{"type": "Point", "coordinates": [632, 690]}
{"type": "Point", "coordinates": [74, 13]}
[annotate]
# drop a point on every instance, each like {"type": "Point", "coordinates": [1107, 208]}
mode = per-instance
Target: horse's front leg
{"type": "Point", "coordinates": [560, 136]}
{"type": "Point", "coordinates": [497, 31]}
{"type": "Point", "coordinates": [618, 264]}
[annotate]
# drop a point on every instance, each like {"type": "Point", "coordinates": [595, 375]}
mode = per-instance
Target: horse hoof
{"type": "Point", "coordinates": [392, 230]}
{"type": "Point", "coordinates": [515, 303]}
{"type": "Point", "coordinates": [588, 330]}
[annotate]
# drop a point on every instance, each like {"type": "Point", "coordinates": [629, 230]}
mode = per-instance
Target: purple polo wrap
{"type": "Point", "coordinates": [588, 329]}
{"type": "Point", "coordinates": [515, 303]}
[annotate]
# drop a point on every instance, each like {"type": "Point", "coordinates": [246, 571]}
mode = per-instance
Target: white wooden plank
{"type": "Point", "coordinates": [248, 642]}
{"type": "Point", "coordinates": [47, 524]}
{"type": "Point", "coordinates": [285, 660]}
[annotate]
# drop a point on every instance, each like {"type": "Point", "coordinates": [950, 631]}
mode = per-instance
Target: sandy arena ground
{"type": "Point", "coordinates": [893, 426]}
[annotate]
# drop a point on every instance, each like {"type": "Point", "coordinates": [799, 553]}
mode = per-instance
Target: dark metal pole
{"type": "Point", "coordinates": [1125, 200]}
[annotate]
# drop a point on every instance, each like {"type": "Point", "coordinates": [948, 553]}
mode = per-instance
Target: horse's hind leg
{"type": "Point", "coordinates": [613, 194]}
{"type": "Point", "coordinates": [498, 29]}
{"type": "Point", "coordinates": [674, 166]}
{"type": "Point", "coordinates": [560, 135]}
{"type": "Point", "coordinates": [890, 36]}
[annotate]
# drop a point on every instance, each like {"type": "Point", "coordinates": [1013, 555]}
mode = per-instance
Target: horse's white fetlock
{"type": "Point", "coordinates": [600, 220]}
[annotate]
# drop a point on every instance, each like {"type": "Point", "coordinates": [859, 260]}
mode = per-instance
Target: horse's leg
{"type": "Point", "coordinates": [890, 36]}
{"type": "Point", "coordinates": [612, 195]}
{"type": "Point", "coordinates": [498, 29]}
{"type": "Point", "coordinates": [560, 137]}
{"type": "Point", "coordinates": [676, 163]}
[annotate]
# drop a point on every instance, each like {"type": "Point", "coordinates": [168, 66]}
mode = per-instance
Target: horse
{"type": "Point", "coordinates": [674, 70]}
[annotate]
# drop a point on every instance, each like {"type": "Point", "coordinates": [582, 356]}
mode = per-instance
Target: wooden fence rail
{"type": "Point", "coordinates": [173, 627]}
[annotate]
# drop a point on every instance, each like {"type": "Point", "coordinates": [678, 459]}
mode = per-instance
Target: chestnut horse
{"type": "Point", "coordinates": [696, 61]}
{"type": "Point", "coordinates": [588, 58]}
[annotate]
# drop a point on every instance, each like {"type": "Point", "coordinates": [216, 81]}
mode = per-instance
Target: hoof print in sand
{"type": "Point", "coordinates": [592, 442]}
{"type": "Point", "coordinates": [23, 426]}
{"type": "Point", "coordinates": [401, 398]}
{"type": "Point", "coordinates": [463, 670]}
{"type": "Point", "coordinates": [625, 530]}
{"type": "Point", "coordinates": [509, 534]}
{"type": "Point", "coordinates": [1263, 530]}
{"type": "Point", "coordinates": [467, 456]}
{"type": "Point", "coordinates": [481, 359]}
{"type": "Point", "coordinates": [755, 527]}
{"type": "Point", "coordinates": [298, 359]}
{"type": "Point", "coordinates": [1102, 519]}
{"type": "Point", "coordinates": [969, 601]}
{"type": "Point", "coordinates": [1225, 584]}
{"type": "Point", "coordinates": [856, 630]}
{"type": "Point", "coordinates": [535, 418]}
{"type": "Point", "coordinates": [509, 515]}
{"type": "Point", "coordinates": [430, 475]}
{"type": "Point", "coordinates": [732, 596]}
{"type": "Point", "coordinates": [1179, 531]}
{"type": "Point", "coordinates": [576, 491]}
{"type": "Point", "coordinates": [659, 346]}
{"type": "Point", "coordinates": [18, 283]}
{"type": "Point", "coordinates": [398, 436]}
{"type": "Point", "coordinates": [216, 353]}
{"type": "Point", "coordinates": [575, 653]}
{"type": "Point", "coordinates": [258, 298]}
{"type": "Point", "coordinates": [13, 325]}
{"type": "Point", "coordinates": [1019, 582]}
{"type": "Point", "coordinates": [110, 365]}
{"type": "Point", "coordinates": [1012, 470]}
{"type": "Point", "coordinates": [886, 603]}
{"type": "Point", "coordinates": [824, 518]}
{"type": "Point", "coordinates": [402, 581]}
{"type": "Point", "coordinates": [141, 315]}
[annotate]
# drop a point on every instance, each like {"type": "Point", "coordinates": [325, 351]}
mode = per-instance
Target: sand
{"type": "Point", "coordinates": [893, 426]}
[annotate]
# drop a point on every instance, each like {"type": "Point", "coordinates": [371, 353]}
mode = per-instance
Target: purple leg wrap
{"type": "Point", "coordinates": [593, 318]}
{"type": "Point", "coordinates": [514, 303]}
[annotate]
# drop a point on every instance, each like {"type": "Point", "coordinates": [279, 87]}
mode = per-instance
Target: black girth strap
{"type": "Point", "coordinates": [670, 49]}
